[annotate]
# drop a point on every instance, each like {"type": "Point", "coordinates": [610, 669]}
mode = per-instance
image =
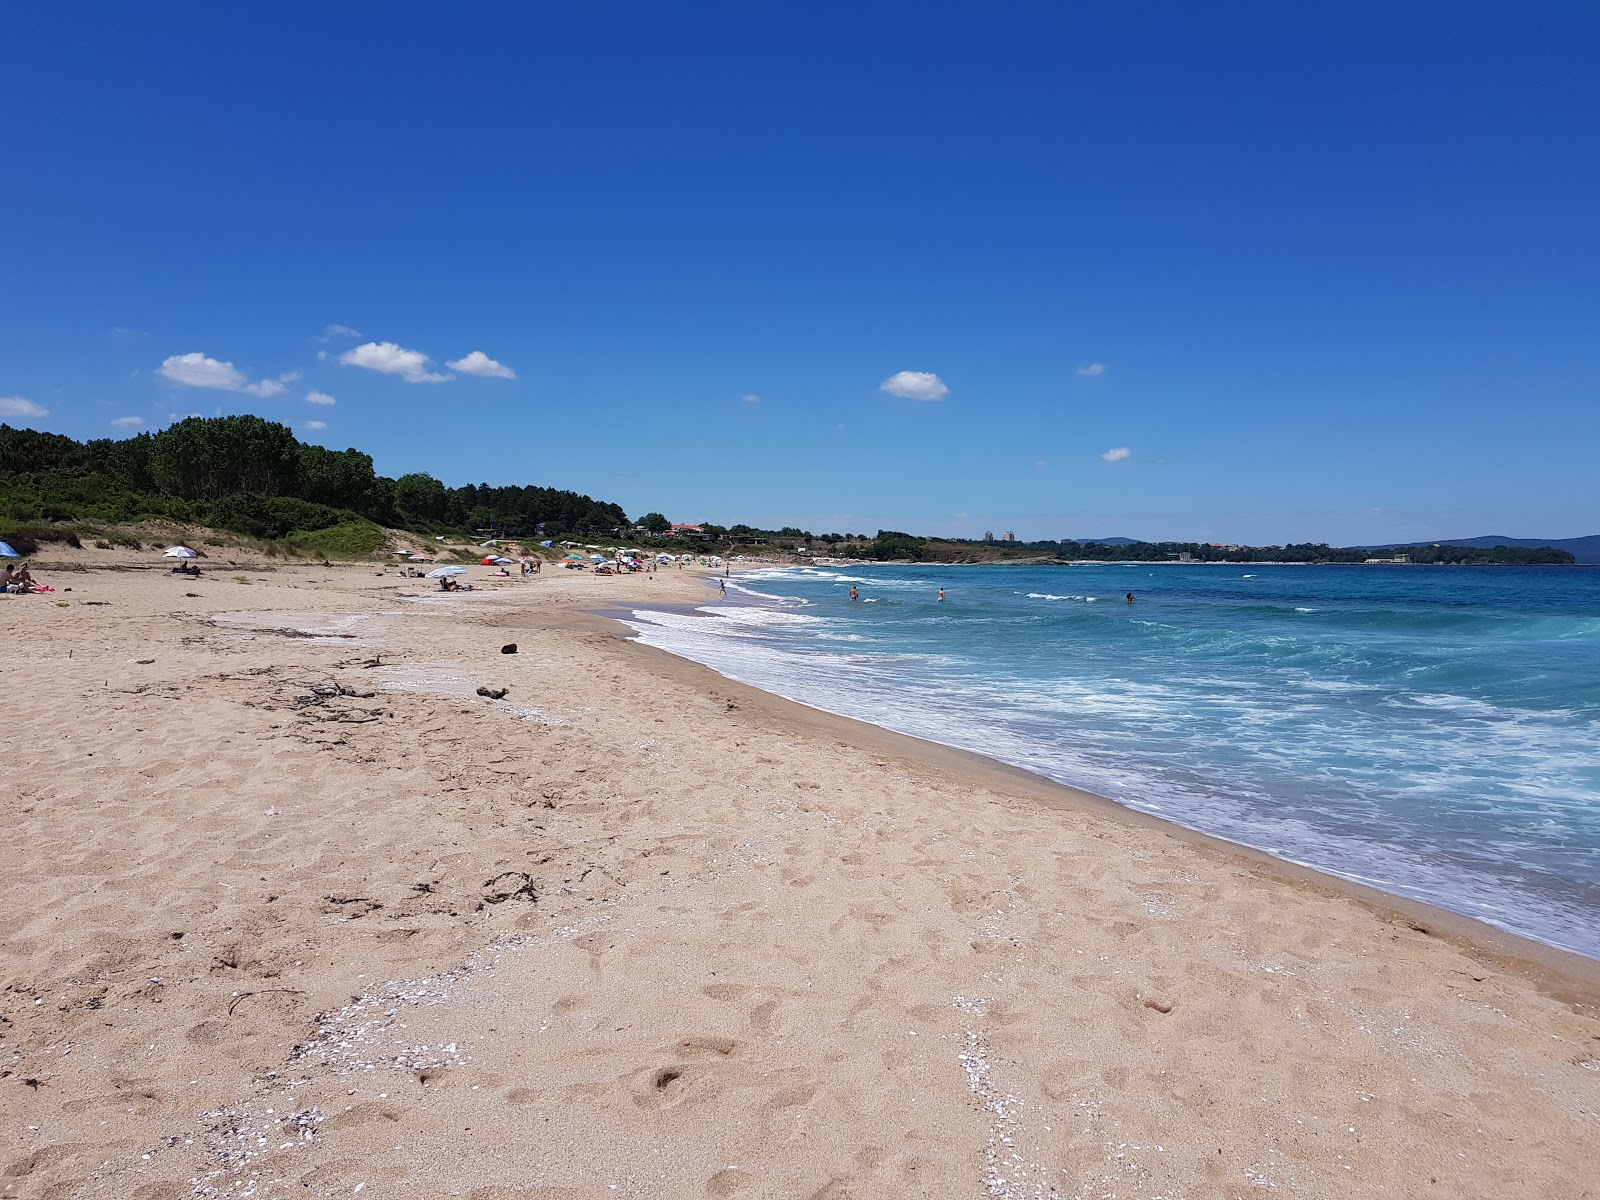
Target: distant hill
{"type": "Point", "coordinates": [1116, 541]}
{"type": "Point", "coordinates": [1584, 549]}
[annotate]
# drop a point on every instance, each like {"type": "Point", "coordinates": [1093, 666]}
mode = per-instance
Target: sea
{"type": "Point", "coordinates": [1430, 731]}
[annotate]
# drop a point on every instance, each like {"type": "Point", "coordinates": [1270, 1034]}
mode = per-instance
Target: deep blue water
{"type": "Point", "coordinates": [1432, 731]}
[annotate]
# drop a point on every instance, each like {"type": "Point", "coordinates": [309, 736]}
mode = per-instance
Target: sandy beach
{"type": "Point", "coordinates": [291, 909]}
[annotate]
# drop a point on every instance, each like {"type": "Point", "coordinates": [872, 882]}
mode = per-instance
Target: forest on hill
{"type": "Point", "coordinates": [252, 476]}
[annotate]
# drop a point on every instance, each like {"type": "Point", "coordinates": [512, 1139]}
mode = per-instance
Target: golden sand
{"type": "Point", "coordinates": [290, 910]}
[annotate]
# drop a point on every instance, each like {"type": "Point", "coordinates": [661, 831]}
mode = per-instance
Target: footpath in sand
{"type": "Point", "coordinates": [290, 910]}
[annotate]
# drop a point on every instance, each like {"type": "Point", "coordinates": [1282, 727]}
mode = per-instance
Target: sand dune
{"type": "Point", "coordinates": [291, 910]}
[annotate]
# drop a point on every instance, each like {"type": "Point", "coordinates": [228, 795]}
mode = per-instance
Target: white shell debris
{"type": "Point", "coordinates": [365, 1035]}
{"type": "Point", "coordinates": [1006, 1174]}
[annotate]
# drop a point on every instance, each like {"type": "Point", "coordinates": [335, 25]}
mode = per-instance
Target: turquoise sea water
{"type": "Point", "coordinates": [1431, 731]}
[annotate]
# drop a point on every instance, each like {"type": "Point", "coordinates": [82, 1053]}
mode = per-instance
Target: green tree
{"type": "Point", "coordinates": [338, 478]}
{"type": "Point", "coordinates": [207, 458]}
{"type": "Point", "coordinates": [421, 499]}
{"type": "Point", "coordinates": [654, 522]}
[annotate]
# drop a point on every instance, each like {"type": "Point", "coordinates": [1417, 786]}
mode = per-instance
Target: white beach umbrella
{"type": "Point", "coordinates": [180, 552]}
{"type": "Point", "coordinates": [444, 571]}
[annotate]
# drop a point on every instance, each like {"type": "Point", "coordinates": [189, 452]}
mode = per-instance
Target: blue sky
{"type": "Point", "coordinates": [1323, 271]}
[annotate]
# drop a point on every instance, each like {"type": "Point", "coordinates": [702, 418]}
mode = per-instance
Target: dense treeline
{"type": "Point", "coordinates": [1493, 556]}
{"type": "Point", "coordinates": [253, 476]}
{"type": "Point", "coordinates": [890, 545]}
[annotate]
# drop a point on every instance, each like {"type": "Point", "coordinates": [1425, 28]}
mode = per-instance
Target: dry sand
{"type": "Point", "coordinates": [282, 922]}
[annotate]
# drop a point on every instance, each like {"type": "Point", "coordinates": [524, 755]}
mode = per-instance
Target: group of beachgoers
{"type": "Point", "coordinates": [18, 580]}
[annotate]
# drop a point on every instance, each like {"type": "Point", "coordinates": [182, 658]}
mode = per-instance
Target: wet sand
{"type": "Point", "coordinates": [302, 915]}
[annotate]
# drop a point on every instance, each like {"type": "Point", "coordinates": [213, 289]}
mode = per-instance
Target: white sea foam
{"type": "Point", "coordinates": [1311, 744]}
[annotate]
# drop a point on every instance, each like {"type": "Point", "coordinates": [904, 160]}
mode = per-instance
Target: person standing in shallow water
{"type": "Point", "coordinates": [1130, 597]}
{"type": "Point", "coordinates": [941, 595]}
{"type": "Point", "coordinates": [854, 595]}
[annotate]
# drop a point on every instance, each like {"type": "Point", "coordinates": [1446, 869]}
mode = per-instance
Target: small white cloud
{"type": "Point", "coordinates": [750, 398]}
{"type": "Point", "coordinates": [391, 359]}
{"type": "Point", "coordinates": [915, 385]}
{"type": "Point", "coordinates": [316, 424]}
{"type": "Point", "coordinates": [315, 397]}
{"type": "Point", "coordinates": [340, 331]}
{"type": "Point", "coordinates": [16, 406]}
{"type": "Point", "coordinates": [198, 371]}
{"type": "Point", "coordinates": [1092, 370]}
{"type": "Point", "coordinates": [479, 363]}
{"type": "Point", "coordinates": [128, 423]}
{"type": "Point", "coordinates": [1041, 462]}
{"type": "Point", "coordinates": [1116, 454]}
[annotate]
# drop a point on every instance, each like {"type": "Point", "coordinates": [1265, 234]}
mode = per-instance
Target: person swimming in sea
{"type": "Point", "coordinates": [1130, 597]}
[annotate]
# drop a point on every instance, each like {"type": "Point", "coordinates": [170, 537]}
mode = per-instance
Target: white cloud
{"type": "Point", "coordinates": [750, 398]}
{"type": "Point", "coordinates": [1092, 370]}
{"type": "Point", "coordinates": [391, 359]}
{"type": "Point", "coordinates": [16, 406]}
{"type": "Point", "coordinates": [1116, 454]}
{"type": "Point", "coordinates": [479, 363]}
{"type": "Point", "coordinates": [340, 331]}
{"type": "Point", "coordinates": [316, 424]}
{"type": "Point", "coordinates": [198, 371]}
{"type": "Point", "coordinates": [915, 385]}
{"type": "Point", "coordinates": [128, 423]}
{"type": "Point", "coordinates": [315, 397]}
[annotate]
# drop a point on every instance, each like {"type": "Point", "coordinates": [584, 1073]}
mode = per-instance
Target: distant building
{"type": "Point", "coordinates": [688, 531]}
{"type": "Point", "coordinates": [1008, 536]}
{"type": "Point", "coordinates": [988, 535]}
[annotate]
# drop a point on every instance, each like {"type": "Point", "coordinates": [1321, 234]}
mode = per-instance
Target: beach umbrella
{"type": "Point", "coordinates": [488, 560]}
{"type": "Point", "coordinates": [7, 552]}
{"type": "Point", "coordinates": [444, 571]}
{"type": "Point", "coordinates": [579, 557]}
{"type": "Point", "coordinates": [179, 552]}
{"type": "Point", "coordinates": [505, 562]}
{"type": "Point", "coordinates": [422, 558]}
{"type": "Point", "coordinates": [598, 557]}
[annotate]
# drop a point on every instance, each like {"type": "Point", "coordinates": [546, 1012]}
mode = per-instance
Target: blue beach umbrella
{"type": "Point", "coordinates": [7, 552]}
{"type": "Point", "coordinates": [443, 571]}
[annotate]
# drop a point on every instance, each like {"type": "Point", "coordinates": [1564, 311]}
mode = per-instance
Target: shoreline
{"type": "Point", "coordinates": [1565, 974]}
{"type": "Point", "coordinates": [296, 909]}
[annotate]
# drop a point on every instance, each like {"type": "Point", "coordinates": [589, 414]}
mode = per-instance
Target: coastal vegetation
{"type": "Point", "coordinates": [252, 477]}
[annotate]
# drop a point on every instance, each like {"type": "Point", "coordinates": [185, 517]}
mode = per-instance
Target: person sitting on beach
{"type": "Point", "coordinates": [447, 584]}
{"type": "Point", "coordinates": [20, 581]}
{"type": "Point", "coordinates": [6, 577]}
